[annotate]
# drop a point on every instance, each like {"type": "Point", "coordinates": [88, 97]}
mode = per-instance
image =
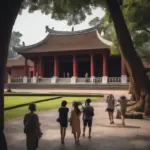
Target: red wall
{"type": "Point", "coordinates": [17, 71]}
{"type": "Point", "coordinates": [6, 76]}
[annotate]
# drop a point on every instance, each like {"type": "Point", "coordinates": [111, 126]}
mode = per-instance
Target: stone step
{"type": "Point", "coordinates": [68, 86]}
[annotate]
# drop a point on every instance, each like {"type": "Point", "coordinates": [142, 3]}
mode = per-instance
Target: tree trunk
{"type": "Point", "coordinates": [9, 10]}
{"type": "Point", "coordinates": [139, 106]}
{"type": "Point", "coordinates": [132, 61]}
{"type": "Point", "coordinates": [147, 105]}
{"type": "Point", "coordinates": [136, 91]}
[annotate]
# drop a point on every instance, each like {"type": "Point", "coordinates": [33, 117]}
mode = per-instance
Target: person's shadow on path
{"type": "Point", "coordinates": [118, 126]}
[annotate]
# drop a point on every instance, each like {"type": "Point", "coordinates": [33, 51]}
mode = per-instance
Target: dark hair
{"type": "Point", "coordinates": [76, 108]}
{"type": "Point", "coordinates": [63, 103]}
{"type": "Point", "coordinates": [111, 96]}
{"type": "Point", "coordinates": [88, 101]}
{"type": "Point", "coordinates": [122, 97]}
{"type": "Point", "coordinates": [32, 107]}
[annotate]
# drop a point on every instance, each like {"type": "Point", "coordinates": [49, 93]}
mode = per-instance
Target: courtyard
{"type": "Point", "coordinates": [135, 136]}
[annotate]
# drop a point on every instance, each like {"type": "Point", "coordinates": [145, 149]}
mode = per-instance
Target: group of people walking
{"type": "Point", "coordinates": [88, 113]}
{"type": "Point", "coordinates": [32, 124]}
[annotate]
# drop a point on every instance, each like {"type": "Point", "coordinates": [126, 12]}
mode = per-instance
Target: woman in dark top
{"type": "Point", "coordinates": [63, 119]}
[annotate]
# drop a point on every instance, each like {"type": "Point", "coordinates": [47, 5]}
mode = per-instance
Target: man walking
{"type": "Point", "coordinates": [88, 113]}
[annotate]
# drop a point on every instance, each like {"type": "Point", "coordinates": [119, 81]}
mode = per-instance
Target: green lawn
{"type": "Point", "coordinates": [16, 100]}
{"type": "Point", "coordinates": [19, 112]}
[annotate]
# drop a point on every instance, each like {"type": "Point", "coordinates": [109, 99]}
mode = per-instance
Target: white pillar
{"type": "Point", "coordinates": [104, 80]}
{"type": "Point", "coordinates": [34, 79]}
{"type": "Point", "coordinates": [73, 80]}
{"type": "Point", "coordinates": [25, 79]}
{"type": "Point", "coordinates": [124, 79]}
{"type": "Point", "coordinates": [9, 79]}
{"type": "Point", "coordinates": [54, 79]}
{"type": "Point", "coordinates": [92, 79]}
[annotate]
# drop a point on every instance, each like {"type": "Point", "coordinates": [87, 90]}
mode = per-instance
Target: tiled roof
{"type": "Point", "coordinates": [57, 41]}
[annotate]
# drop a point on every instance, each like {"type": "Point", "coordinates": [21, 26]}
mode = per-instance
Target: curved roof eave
{"type": "Point", "coordinates": [106, 42]}
{"type": "Point", "coordinates": [53, 32]}
{"type": "Point", "coordinates": [18, 49]}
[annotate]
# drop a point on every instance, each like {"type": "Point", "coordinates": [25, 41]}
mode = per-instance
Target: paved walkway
{"type": "Point", "coordinates": [135, 136]}
{"type": "Point", "coordinates": [115, 92]}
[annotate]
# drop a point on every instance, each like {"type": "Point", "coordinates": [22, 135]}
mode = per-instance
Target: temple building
{"type": "Point", "coordinates": [73, 55]}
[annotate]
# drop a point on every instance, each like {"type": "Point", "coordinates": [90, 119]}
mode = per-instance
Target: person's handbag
{"type": "Point", "coordinates": [58, 119]}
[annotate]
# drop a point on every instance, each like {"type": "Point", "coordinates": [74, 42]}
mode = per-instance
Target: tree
{"type": "Point", "coordinates": [138, 27]}
{"type": "Point", "coordinates": [136, 14]}
{"type": "Point", "coordinates": [14, 41]}
{"type": "Point", "coordinates": [94, 21]}
{"type": "Point", "coordinates": [74, 11]}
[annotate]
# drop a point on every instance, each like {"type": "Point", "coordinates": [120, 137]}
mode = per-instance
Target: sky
{"type": "Point", "coordinates": [32, 25]}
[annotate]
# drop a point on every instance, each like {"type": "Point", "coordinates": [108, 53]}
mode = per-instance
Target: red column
{"type": "Point", "coordinates": [55, 66]}
{"type": "Point", "coordinates": [74, 66]}
{"type": "Point", "coordinates": [26, 68]}
{"type": "Point", "coordinates": [40, 67]}
{"type": "Point", "coordinates": [35, 68]}
{"type": "Point", "coordinates": [92, 65]}
{"type": "Point", "coordinates": [105, 73]}
{"type": "Point", "coordinates": [123, 67]}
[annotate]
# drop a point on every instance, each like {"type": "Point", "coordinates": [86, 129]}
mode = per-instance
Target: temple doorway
{"type": "Point", "coordinates": [48, 67]}
{"type": "Point", "coordinates": [65, 66]}
{"type": "Point", "coordinates": [114, 66]}
{"type": "Point", "coordinates": [83, 65]}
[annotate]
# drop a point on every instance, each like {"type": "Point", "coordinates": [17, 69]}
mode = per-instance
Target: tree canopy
{"type": "Point", "coordinates": [136, 13]}
{"type": "Point", "coordinates": [14, 41]}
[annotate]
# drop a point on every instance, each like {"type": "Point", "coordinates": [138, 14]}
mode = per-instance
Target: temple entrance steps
{"type": "Point", "coordinates": [77, 86]}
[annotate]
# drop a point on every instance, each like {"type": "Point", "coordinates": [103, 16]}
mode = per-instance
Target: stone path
{"type": "Point", "coordinates": [135, 136]}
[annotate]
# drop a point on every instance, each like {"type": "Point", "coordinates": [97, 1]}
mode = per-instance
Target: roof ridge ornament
{"type": "Point", "coordinates": [72, 29]}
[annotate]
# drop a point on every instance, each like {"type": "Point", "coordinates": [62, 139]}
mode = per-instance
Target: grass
{"type": "Point", "coordinates": [19, 112]}
{"type": "Point", "coordinates": [15, 100]}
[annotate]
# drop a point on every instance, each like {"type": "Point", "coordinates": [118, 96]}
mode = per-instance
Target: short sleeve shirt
{"type": "Point", "coordinates": [88, 111]}
{"type": "Point", "coordinates": [63, 113]}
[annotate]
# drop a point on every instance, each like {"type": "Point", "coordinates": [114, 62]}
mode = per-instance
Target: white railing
{"type": "Point", "coordinates": [44, 80]}
{"type": "Point", "coordinates": [83, 80]}
{"type": "Point", "coordinates": [17, 80]}
{"type": "Point", "coordinates": [64, 80]}
{"type": "Point", "coordinates": [98, 80]}
{"type": "Point", "coordinates": [110, 80]}
{"type": "Point", "coordinates": [114, 80]}
{"type": "Point", "coordinates": [29, 80]}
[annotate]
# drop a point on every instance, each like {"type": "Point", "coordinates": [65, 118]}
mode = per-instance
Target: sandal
{"type": "Point", "coordinates": [77, 142]}
{"type": "Point", "coordinates": [62, 142]}
{"type": "Point", "coordinates": [89, 137]}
